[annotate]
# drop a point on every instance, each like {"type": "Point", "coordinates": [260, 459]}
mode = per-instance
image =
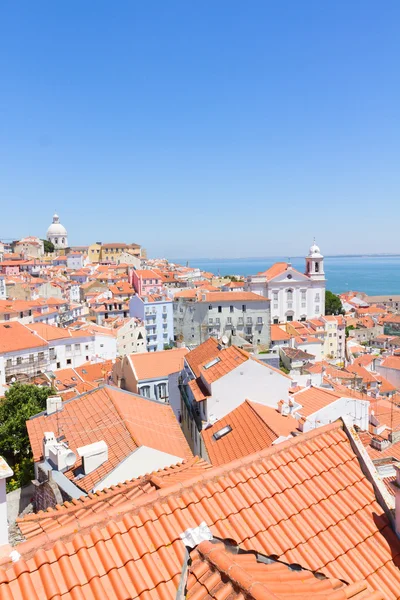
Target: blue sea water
{"type": "Point", "coordinates": [370, 274]}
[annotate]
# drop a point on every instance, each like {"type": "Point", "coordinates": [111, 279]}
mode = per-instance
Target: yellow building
{"type": "Point", "coordinates": [94, 252]}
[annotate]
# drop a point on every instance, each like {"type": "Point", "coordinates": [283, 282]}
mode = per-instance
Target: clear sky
{"type": "Point", "coordinates": [203, 127]}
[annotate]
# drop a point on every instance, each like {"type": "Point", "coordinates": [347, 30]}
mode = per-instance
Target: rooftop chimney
{"type": "Point", "coordinates": [5, 472]}
{"type": "Point", "coordinates": [53, 404]}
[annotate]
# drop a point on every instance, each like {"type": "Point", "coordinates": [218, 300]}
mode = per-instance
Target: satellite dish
{"type": "Point", "coordinates": [70, 458]}
{"type": "Point", "coordinates": [224, 340]}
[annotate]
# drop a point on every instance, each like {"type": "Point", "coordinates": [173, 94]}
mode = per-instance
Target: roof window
{"type": "Point", "coordinates": [221, 432]}
{"type": "Point", "coordinates": [212, 363]}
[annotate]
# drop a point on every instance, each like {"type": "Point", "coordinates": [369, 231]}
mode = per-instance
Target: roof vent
{"type": "Point", "coordinates": [93, 456]}
{"type": "Point", "coordinates": [48, 440]}
{"type": "Point", "coordinates": [53, 404]}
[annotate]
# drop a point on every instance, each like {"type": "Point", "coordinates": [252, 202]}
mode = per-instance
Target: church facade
{"type": "Point", "coordinates": [294, 296]}
{"type": "Point", "coordinates": [57, 234]}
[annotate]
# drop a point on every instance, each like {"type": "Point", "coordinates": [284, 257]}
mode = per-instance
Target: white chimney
{"type": "Point", "coordinates": [5, 472]}
{"type": "Point", "coordinates": [93, 456]}
{"type": "Point", "coordinates": [48, 440]}
{"type": "Point", "coordinates": [53, 404]}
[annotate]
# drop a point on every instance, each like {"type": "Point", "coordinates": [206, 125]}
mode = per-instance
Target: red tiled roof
{"type": "Point", "coordinates": [148, 365]}
{"type": "Point", "coordinates": [313, 399]}
{"type": "Point", "coordinates": [218, 572]}
{"type": "Point", "coordinates": [203, 353]}
{"type": "Point", "coordinates": [123, 420]}
{"type": "Point", "coordinates": [16, 336]}
{"type": "Point", "coordinates": [305, 501]}
{"type": "Point", "coordinates": [228, 359]}
{"type": "Point", "coordinates": [81, 510]}
{"type": "Point", "coordinates": [391, 362]}
{"type": "Point", "coordinates": [279, 334]}
{"type": "Point", "coordinates": [94, 372]}
{"type": "Point", "coordinates": [254, 427]}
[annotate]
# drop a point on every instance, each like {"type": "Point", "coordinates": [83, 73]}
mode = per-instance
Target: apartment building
{"type": "Point", "coordinates": [199, 315]}
{"type": "Point", "coordinates": [146, 281]}
{"type": "Point", "coordinates": [216, 379]}
{"type": "Point", "coordinates": [156, 312]}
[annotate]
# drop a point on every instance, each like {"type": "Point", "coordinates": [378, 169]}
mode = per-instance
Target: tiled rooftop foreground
{"type": "Point", "coordinates": [305, 501]}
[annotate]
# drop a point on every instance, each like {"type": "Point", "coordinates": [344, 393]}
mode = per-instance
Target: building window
{"type": "Point", "coordinates": [210, 320]}
{"type": "Point", "coordinates": [317, 309]}
{"type": "Point", "coordinates": [220, 309]}
{"type": "Point", "coordinates": [259, 320]}
{"type": "Point", "coordinates": [19, 360]}
{"type": "Point", "coordinates": [145, 391]}
{"type": "Point", "coordinates": [68, 347]}
{"type": "Point", "coordinates": [249, 320]}
{"type": "Point", "coordinates": [229, 320]}
{"type": "Point", "coordinates": [217, 321]}
{"type": "Point", "coordinates": [243, 308]}
{"type": "Point", "coordinates": [162, 391]}
{"type": "Point", "coordinates": [240, 320]}
{"type": "Point", "coordinates": [289, 318]}
{"type": "Point", "coordinates": [231, 309]}
{"type": "Point", "coordinates": [317, 267]}
{"type": "Point", "coordinates": [31, 358]}
{"type": "Point", "coordinates": [275, 306]}
{"type": "Point", "coordinates": [77, 346]}
{"type": "Point", "coordinates": [289, 295]}
{"type": "Point", "coordinates": [276, 321]}
{"type": "Point", "coordinates": [69, 361]}
{"type": "Point", "coordinates": [316, 297]}
{"type": "Point", "coordinates": [41, 356]}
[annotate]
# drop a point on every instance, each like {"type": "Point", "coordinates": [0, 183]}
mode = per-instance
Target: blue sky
{"type": "Point", "coordinates": [205, 128]}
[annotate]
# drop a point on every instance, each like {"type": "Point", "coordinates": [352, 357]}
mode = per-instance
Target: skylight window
{"type": "Point", "coordinates": [212, 363]}
{"type": "Point", "coordinates": [221, 432]}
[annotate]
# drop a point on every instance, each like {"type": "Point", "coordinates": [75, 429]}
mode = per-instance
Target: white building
{"type": "Point", "coordinates": [218, 379]}
{"type": "Point", "coordinates": [131, 336]}
{"type": "Point", "coordinates": [199, 315]}
{"type": "Point", "coordinates": [294, 296]}
{"type": "Point", "coordinates": [3, 288]}
{"type": "Point", "coordinates": [57, 234]}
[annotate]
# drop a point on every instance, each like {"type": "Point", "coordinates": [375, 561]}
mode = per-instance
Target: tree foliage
{"type": "Point", "coordinates": [48, 246]}
{"type": "Point", "coordinates": [20, 403]}
{"type": "Point", "coordinates": [333, 304]}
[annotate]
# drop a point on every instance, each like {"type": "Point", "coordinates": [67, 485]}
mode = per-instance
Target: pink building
{"type": "Point", "coordinates": [146, 282]}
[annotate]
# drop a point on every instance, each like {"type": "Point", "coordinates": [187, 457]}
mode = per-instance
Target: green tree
{"type": "Point", "coordinates": [333, 304]}
{"type": "Point", "coordinates": [20, 403]}
{"type": "Point", "coordinates": [48, 246]}
{"type": "Point", "coordinates": [348, 329]}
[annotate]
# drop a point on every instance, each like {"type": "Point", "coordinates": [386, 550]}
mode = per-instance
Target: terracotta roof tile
{"type": "Point", "coordinates": [217, 571]}
{"type": "Point", "coordinates": [305, 501]}
{"type": "Point", "coordinates": [228, 359]}
{"type": "Point", "coordinates": [200, 355]}
{"type": "Point", "coordinates": [16, 336]}
{"type": "Point", "coordinates": [254, 428]}
{"type": "Point", "coordinates": [148, 365]}
{"type": "Point", "coordinates": [313, 399]}
{"type": "Point", "coordinates": [123, 420]}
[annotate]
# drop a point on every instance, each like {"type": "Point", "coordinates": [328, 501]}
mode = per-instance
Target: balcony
{"type": "Point", "coordinates": [150, 323]}
{"type": "Point", "coordinates": [152, 335]}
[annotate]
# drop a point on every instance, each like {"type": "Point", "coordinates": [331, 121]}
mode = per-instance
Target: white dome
{"type": "Point", "coordinates": [314, 250]}
{"type": "Point", "coordinates": [56, 228]}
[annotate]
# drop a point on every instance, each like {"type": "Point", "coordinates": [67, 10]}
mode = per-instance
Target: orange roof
{"type": "Point", "coordinates": [276, 269]}
{"type": "Point", "coordinates": [366, 376]}
{"type": "Point", "coordinates": [227, 360]}
{"type": "Point", "coordinates": [16, 336]}
{"type": "Point", "coordinates": [123, 420]}
{"type": "Point", "coordinates": [200, 355]}
{"type": "Point", "coordinates": [278, 334]}
{"type": "Point", "coordinates": [49, 332]}
{"type": "Point", "coordinates": [218, 571]}
{"type": "Point", "coordinates": [313, 399]}
{"type": "Point", "coordinates": [94, 372]}
{"type": "Point", "coordinates": [149, 365]}
{"type": "Point", "coordinates": [65, 379]}
{"type": "Point", "coordinates": [108, 499]}
{"type": "Point", "coordinates": [391, 362]}
{"type": "Point", "coordinates": [230, 297]}
{"type": "Point", "coordinates": [146, 274]}
{"type": "Point", "coordinates": [254, 427]}
{"type": "Point", "coordinates": [305, 501]}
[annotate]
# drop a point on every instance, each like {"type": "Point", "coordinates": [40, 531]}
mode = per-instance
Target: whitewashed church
{"type": "Point", "coordinates": [294, 296]}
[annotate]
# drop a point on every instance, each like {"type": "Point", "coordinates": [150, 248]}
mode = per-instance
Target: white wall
{"type": "Point", "coordinates": [249, 381]}
{"type": "Point", "coordinates": [356, 410]}
{"type": "Point", "coordinates": [142, 461]}
{"type": "Point", "coordinates": [392, 375]}
{"type": "Point", "coordinates": [174, 394]}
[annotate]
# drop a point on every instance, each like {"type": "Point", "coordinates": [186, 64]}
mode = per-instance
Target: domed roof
{"type": "Point", "coordinates": [56, 228]}
{"type": "Point", "coordinates": [314, 250]}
